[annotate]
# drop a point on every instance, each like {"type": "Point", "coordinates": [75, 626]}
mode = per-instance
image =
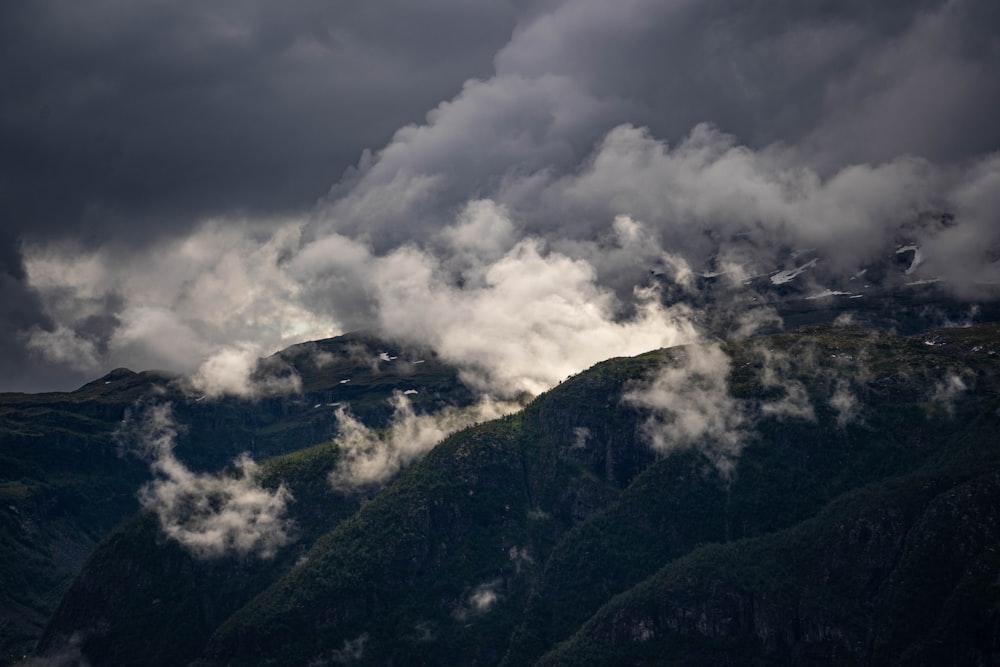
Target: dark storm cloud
{"type": "Point", "coordinates": [777, 71]}
{"type": "Point", "coordinates": [134, 120]}
{"type": "Point", "coordinates": [165, 111]}
{"type": "Point", "coordinates": [832, 85]}
{"type": "Point", "coordinates": [598, 140]}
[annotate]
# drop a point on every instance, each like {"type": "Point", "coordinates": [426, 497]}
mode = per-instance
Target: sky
{"type": "Point", "coordinates": [187, 186]}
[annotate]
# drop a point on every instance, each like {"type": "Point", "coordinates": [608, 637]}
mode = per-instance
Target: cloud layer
{"type": "Point", "coordinates": [524, 207]}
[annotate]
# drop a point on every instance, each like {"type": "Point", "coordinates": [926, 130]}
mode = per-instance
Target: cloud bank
{"type": "Point", "coordinates": [519, 226]}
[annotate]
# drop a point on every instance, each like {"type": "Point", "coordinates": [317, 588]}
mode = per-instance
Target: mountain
{"type": "Point", "coordinates": [824, 496]}
{"type": "Point", "coordinates": [66, 479]}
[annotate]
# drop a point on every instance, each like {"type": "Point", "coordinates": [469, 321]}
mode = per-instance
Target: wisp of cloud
{"type": "Point", "coordinates": [211, 515]}
{"type": "Point", "coordinates": [370, 457]}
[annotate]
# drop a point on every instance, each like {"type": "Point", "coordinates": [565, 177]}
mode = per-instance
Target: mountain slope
{"type": "Point", "coordinates": [862, 458]}
{"type": "Point", "coordinates": [903, 572]}
{"type": "Point", "coordinates": [65, 480]}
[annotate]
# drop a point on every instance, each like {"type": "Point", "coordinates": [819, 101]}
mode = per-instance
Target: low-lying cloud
{"type": "Point", "coordinates": [947, 391]}
{"type": "Point", "coordinates": [211, 515]}
{"type": "Point", "coordinates": [237, 371]}
{"type": "Point", "coordinates": [845, 403]}
{"type": "Point", "coordinates": [520, 228]}
{"type": "Point", "coordinates": [479, 601]}
{"type": "Point", "coordinates": [370, 457]}
{"type": "Point", "coordinates": [691, 407]}
{"type": "Point", "coordinates": [777, 374]}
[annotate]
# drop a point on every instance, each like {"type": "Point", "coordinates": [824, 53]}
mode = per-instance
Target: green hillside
{"type": "Point", "coordinates": [65, 480]}
{"type": "Point", "coordinates": [840, 509]}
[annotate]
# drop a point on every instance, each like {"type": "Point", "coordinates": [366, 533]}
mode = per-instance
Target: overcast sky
{"type": "Point", "coordinates": [186, 185]}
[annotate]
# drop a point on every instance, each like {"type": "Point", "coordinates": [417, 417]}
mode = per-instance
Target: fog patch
{"type": "Point", "coordinates": [369, 457]}
{"type": "Point", "coordinates": [691, 407]}
{"type": "Point", "coordinates": [211, 515]}
{"type": "Point", "coordinates": [238, 371]}
{"type": "Point", "coordinates": [353, 650]}
{"type": "Point", "coordinates": [64, 346]}
{"type": "Point", "coordinates": [581, 434]}
{"type": "Point", "coordinates": [947, 391]}
{"type": "Point", "coordinates": [776, 373]}
{"type": "Point", "coordinates": [755, 320]}
{"type": "Point", "coordinates": [845, 403]}
{"type": "Point", "coordinates": [479, 601]}
{"type": "Point", "coordinates": [67, 655]}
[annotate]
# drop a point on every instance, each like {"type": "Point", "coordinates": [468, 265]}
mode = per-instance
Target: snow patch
{"type": "Point", "coordinates": [782, 277]}
{"type": "Point", "coordinates": [918, 257]}
{"type": "Point", "coordinates": [829, 292]}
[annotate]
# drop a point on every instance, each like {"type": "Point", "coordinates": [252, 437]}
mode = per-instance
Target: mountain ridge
{"type": "Point", "coordinates": [480, 552]}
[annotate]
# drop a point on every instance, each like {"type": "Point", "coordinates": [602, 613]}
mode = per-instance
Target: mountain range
{"type": "Point", "coordinates": [821, 496]}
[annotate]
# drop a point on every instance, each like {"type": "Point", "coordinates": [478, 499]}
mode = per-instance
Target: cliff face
{"type": "Point", "coordinates": [838, 508]}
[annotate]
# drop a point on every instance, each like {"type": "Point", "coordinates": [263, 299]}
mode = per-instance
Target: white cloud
{"type": "Point", "coordinates": [691, 407]}
{"type": "Point", "coordinates": [521, 323]}
{"type": "Point", "coordinates": [211, 515]}
{"type": "Point", "coordinates": [479, 601]}
{"type": "Point", "coordinates": [778, 372]}
{"type": "Point", "coordinates": [64, 346]}
{"type": "Point", "coordinates": [948, 390]}
{"type": "Point", "coordinates": [370, 457]}
{"type": "Point", "coordinates": [233, 371]}
{"type": "Point", "coordinates": [845, 403]}
{"type": "Point", "coordinates": [177, 306]}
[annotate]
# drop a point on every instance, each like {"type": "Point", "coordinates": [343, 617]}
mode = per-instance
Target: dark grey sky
{"type": "Point", "coordinates": [136, 120]}
{"type": "Point", "coordinates": [148, 148]}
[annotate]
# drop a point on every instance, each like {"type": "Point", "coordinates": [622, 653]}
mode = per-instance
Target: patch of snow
{"type": "Point", "coordinates": [318, 405]}
{"type": "Point", "coordinates": [716, 274]}
{"type": "Point", "coordinates": [411, 391]}
{"type": "Point", "coordinates": [829, 292]}
{"type": "Point", "coordinates": [859, 274]}
{"type": "Point", "coordinates": [918, 257]}
{"type": "Point", "coordinates": [384, 356]}
{"type": "Point", "coordinates": [782, 277]}
{"type": "Point", "coordinates": [345, 381]}
{"type": "Point", "coordinates": [929, 281]}
{"type": "Point", "coordinates": [419, 362]}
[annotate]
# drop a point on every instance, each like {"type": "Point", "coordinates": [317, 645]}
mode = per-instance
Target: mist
{"type": "Point", "coordinates": [211, 515]}
{"type": "Point", "coordinates": [689, 406]}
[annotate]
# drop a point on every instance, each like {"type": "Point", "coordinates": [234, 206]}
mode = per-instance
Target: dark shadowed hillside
{"type": "Point", "coordinates": [66, 477]}
{"type": "Point", "coordinates": [826, 496]}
